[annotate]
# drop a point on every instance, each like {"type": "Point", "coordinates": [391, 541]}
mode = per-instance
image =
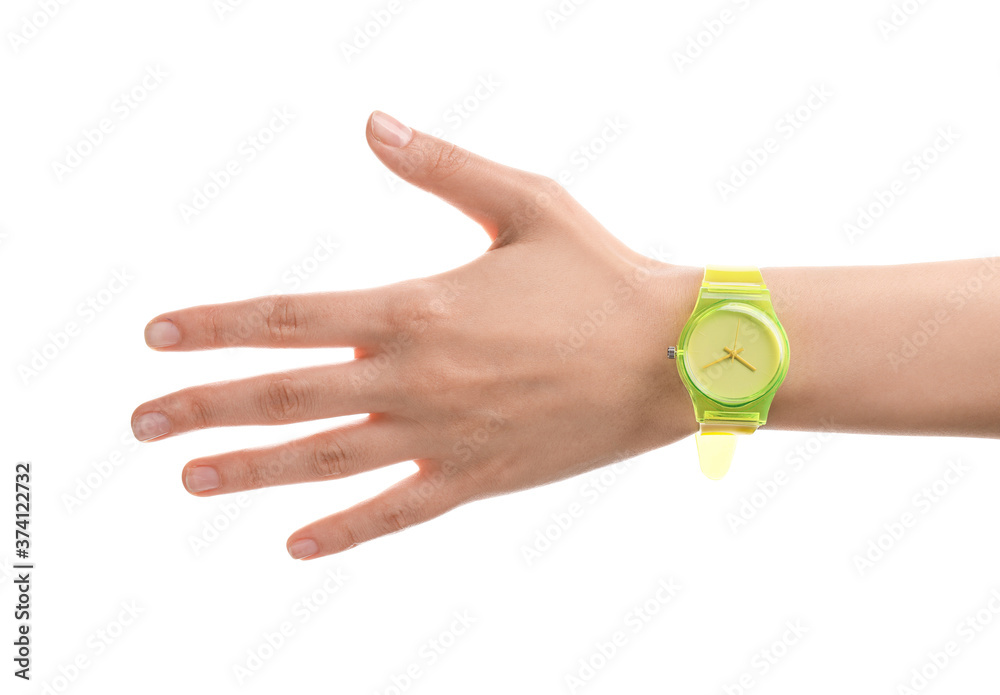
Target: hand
{"type": "Point", "coordinates": [541, 359]}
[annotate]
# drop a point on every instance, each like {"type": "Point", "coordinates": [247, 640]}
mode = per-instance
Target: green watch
{"type": "Point", "coordinates": [732, 356]}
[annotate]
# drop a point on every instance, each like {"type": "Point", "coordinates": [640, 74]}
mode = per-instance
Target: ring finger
{"type": "Point", "coordinates": [337, 453]}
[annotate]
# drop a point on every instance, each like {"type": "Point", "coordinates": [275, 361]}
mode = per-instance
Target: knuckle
{"type": "Point", "coordinates": [413, 309]}
{"type": "Point", "coordinates": [392, 519]}
{"type": "Point", "coordinates": [283, 320]}
{"type": "Point", "coordinates": [448, 160]}
{"type": "Point", "coordinates": [214, 333]}
{"type": "Point", "coordinates": [281, 400]}
{"type": "Point", "coordinates": [329, 460]}
{"type": "Point", "coordinates": [198, 412]}
{"type": "Point", "coordinates": [352, 536]}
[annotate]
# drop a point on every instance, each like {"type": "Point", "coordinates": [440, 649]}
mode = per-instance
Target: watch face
{"type": "Point", "coordinates": [733, 352]}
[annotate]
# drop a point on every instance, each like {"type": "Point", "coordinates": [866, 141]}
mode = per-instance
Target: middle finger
{"type": "Point", "coordinates": [271, 399]}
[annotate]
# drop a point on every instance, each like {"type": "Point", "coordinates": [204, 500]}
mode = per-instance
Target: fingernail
{"type": "Point", "coordinates": [303, 548]}
{"type": "Point", "coordinates": [389, 131]}
{"type": "Point", "coordinates": [162, 334]}
{"type": "Point", "coordinates": [150, 425]}
{"type": "Point", "coordinates": [201, 478]}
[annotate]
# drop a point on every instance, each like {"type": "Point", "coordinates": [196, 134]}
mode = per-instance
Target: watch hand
{"type": "Point", "coordinates": [738, 319]}
{"type": "Point", "coordinates": [735, 355]}
{"type": "Point", "coordinates": [725, 357]}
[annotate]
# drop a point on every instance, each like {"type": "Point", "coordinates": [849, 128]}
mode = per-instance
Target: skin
{"type": "Point", "coordinates": [489, 396]}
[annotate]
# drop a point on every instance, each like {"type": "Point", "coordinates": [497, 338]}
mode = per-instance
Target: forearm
{"type": "Point", "coordinates": [906, 349]}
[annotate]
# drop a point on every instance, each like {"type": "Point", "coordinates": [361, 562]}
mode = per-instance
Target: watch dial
{"type": "Point", "coordinates": [733, 352]}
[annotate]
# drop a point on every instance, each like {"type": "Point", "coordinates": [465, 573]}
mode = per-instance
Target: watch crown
{"type": "Point", "coordinates": [671, 352]}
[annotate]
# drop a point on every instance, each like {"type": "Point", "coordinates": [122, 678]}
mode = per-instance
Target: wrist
{"type": "Point", "coordinates": [672, 291]}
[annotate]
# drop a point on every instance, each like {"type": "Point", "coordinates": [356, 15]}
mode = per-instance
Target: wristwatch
{"type": "Point", "coordinates": [732, 356]}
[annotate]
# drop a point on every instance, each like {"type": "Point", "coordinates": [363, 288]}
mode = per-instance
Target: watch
{"type": "Point", "coordinates": [732, 356]}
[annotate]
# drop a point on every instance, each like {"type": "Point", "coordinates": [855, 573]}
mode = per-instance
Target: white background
{"type": "Point", "coordinates": [655, 185]}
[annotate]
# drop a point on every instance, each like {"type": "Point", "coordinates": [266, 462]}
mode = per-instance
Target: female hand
{"type": "Point", "coordinates": [541, 359]}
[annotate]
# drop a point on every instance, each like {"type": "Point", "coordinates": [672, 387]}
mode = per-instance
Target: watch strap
{"type": "Point", "coordinates": [715, 452]}
{"type": "Point", "coordinates": [740, 278]}
{"type": "Point", "coordinates": [716, 444]}
{"type": "Point", "coordinates": [716, 438]}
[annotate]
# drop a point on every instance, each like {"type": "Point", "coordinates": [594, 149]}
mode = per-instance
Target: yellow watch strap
{"type": "Point", "coordinates": [716, 441]}
{"type": "Point", "coordinates": [727, 275]}
{"type": "Point", "coordinates": [715, 452]}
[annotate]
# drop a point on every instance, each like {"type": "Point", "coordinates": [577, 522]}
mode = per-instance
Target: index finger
{"type": "Point", "coordinates": [322, 319]}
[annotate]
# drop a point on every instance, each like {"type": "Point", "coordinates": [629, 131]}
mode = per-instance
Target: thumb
{"type": "Point", "coordinates": [496, 196]}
